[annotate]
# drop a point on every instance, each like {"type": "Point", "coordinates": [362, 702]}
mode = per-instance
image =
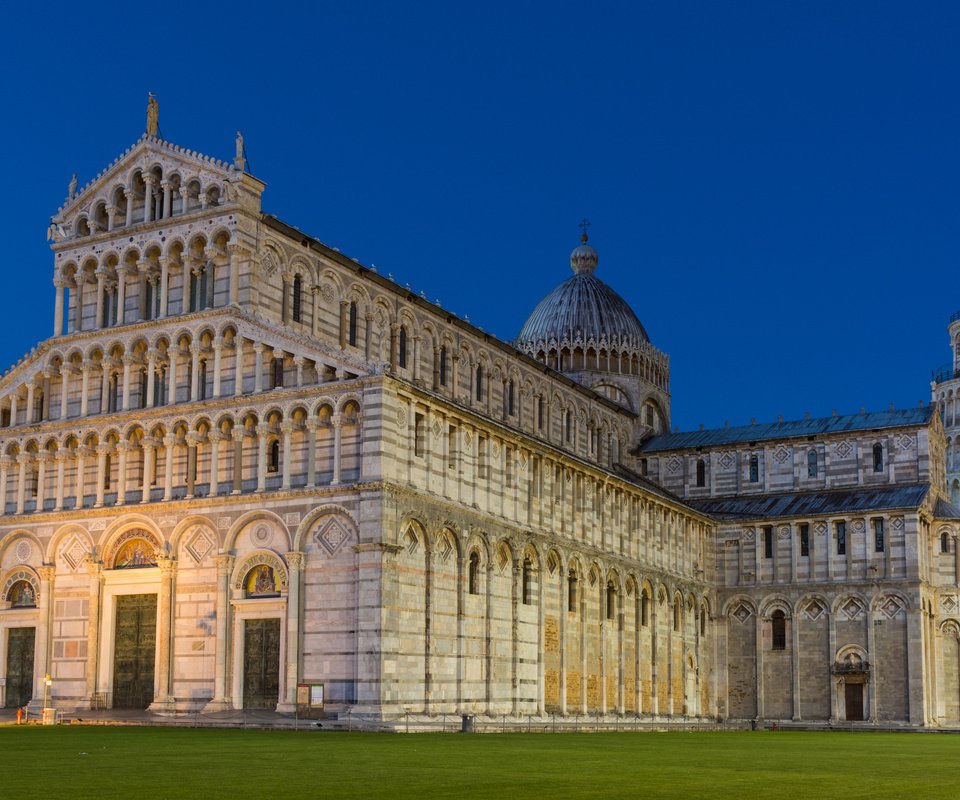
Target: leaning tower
{"type": "Point", "coordinates": [945, 386]}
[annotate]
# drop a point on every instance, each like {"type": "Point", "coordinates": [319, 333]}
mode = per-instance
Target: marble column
{"type": "Point", "coordinates": [295, 563]}
{"type": "Point", "coordinates": [195, 372]}
{"type": "Point", "coordinates": [238, 436]}
{"type": "Point", "coordinates": [22, 461]}
{"type": "Point", "coordinates": [151, 378]}
{"type": "Point", "coordinates": [64, 391]}
{"type": "Point", "coordinates": [286, 433]}
{"type": "Point", "coordinates": [42, 660]}
{"type": "Point", "coordinates": [262, 432]}
{"type": "Point", "coordinates": [221, 685]}
{"type": "Point", "coordinates": [123, 447]}
{"type": "Point", "coordinates": [258, 367]}
{"type": "Point", "coordinates": [121, 292]}
{"type": "Point", "coordinates": [58, 308]}
{"type": "Point", "coordinates": [312, 425]}
{"type": "Point", "coordinates": [95, 570]}
{"type": "Point", "coordinates": [163, 702]}
{"type": "Point", "coordinates": [82, 453]}
{"type": "Point", "coordinates": [85, 388]}
{"type": "Point", "coordinates": [217, 358]}
{"type": "Point", "coordinates": [214, 438]}
{"type": "Point", "coordinates": [336, 421]}
{"type": "Point", "coordinates": [191, 464]}
{"type": "Point", "coordinates": [165, 286]}
{"type": "Point", "coordinates": [102, 450]}
{"type": "Point", "coordinates": [61, 460]}
{"type": "Point", "coordinates": [148, 447]}
{"type": "Point", "coordinates": [148, 180]}
{"type": "Point", "coordinates": [169, 441]}
{"type": "Point", "coordinates": [128, 361]}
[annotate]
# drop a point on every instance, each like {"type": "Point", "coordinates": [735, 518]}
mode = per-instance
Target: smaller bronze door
{"type": "Point", "coordinates": [853, 696]}
{"type": "Point", "coordinates": [20, 643]}
{"type": "Point", "coordinates": [261, 663]}
{"type": "Point", "coordinates": [135, 647]}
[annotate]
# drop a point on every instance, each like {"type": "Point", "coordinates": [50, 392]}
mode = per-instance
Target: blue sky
{"type": "Point", "coordinates": [773, 187]}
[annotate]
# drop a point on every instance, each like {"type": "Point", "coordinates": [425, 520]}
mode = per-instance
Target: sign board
{"type": "Point", "coordinates": [310, 694]}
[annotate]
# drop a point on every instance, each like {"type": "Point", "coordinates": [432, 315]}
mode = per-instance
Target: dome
{"type": "Point", "coordinates": [583, 307]}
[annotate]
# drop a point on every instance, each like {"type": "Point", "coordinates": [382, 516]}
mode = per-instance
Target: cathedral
{"type": "Point", "coordinates": [249, 472]}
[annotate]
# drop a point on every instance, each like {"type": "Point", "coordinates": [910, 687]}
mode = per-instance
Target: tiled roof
{"type": "Point", "coordinates": [945, 510]}
{"type": "Point", "coordinates": [804, 504]}
{"type": "Point", "coordinates": [906, 417]}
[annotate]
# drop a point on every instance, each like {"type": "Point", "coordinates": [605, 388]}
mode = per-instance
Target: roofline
{"type": "Point", "coordinates": [334, 255]}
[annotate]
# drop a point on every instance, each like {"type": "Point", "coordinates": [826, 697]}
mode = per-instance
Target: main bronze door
{"type": "Point", "coordinates": [853, 696]}
{"type": "Point", "coordinates": [261, 663]}
{"type": "Point", "coordinates": [20, 642]}
{"type": "Point", "coordinates": [134, 652]}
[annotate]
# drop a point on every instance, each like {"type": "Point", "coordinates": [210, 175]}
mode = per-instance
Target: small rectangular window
{"type": "Point", "coordinates": [418, 435]}
{"type": "Point", "coordinates": [539, 413]}
{"type": "Point", "coordinates": [878, 542]}
{"type": "Point", "coordinates": [768, 542]}
{"type": "Point", "coordinates": [481, 456]}
{"type": "Point", "coordinates": [841, 538]}
{"type": "Point", "coordinates": [804, 540]}
{"type": "Point", "coordinates": [754, 469]}
{"type": "Point", "coordinates": [452, 447]}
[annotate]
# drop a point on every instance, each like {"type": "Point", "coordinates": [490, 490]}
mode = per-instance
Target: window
{"type": "Point", "coordinates": [403, 348]}
{"type": "Point", "coordinates": [812, 464]}
{"type": "Point", "coordinates": [768, 542]}
{"type": "Point", "coordinates": [473, 582]}
{"type": "Point", "coordinates": [539, 413]}
{"type": "Point", "coordinates": [572, 591]}
{"type": "Point", "coordinates": [701, 473]}
{"type": "Point", "coordinates": [273, 463]}
{"type": "Point", "coordinates": [804, 540]}
{"type": "Point", "coordinates": [277, 373]}
{"type": "Point", "coordinates": [878, 535]}
{"type": "Point", "coordinates": [452, 447]}
{"type": "Point", "coordinates": [643, 467]}
{"type": "Point", "coordinates": [644, 608]}
{"type": "Point", "coordinates": [878, 458]}
{"type": "Point", "coordinates": [202, 381]}
{"type": "Point", "coordinates": [479, 382]}
{"type": "Point", "coordinates": [754, 469]}
{"type": "Point", "coordinates": [778, 624]}
{"type": "Point", "coordinates": [944, 543]}
{"type": "Point", "coordinates": [649, 419]}
{"type": "Point", "coordinates": [297, 299]}
{"type": "Point", "coordinates": [481, 456]}
{"type": "Point", "coordinates": [676, 614]}
{"type": "Point", "coordinates": [703, 621]}
{"type": "Point", "coordinates": [567, 425]}
{"type": "Point", "coordinates": [611, 600]}
{"type": "Point", "coordinates": [107, 469]}
{"type": "Point", "coordinates": [841, 538]}
{"type": "Point", "coordinates": [527, 593]}
{"type": "Point", "coordinates": [418, 434]}
{"type": "Point", "coordinates": [352, 325]}
{"type": "Point", "coordinates": [443, 365]}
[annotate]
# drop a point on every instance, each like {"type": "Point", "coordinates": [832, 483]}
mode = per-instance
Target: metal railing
{"type": "Point", "coordinates": [947, 372]}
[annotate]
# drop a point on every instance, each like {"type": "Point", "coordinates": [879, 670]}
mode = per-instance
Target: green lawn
{"type": "Point", "coordinates": [140, 763]}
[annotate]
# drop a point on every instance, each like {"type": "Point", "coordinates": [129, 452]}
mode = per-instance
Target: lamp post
{"type": "Point", "coordinates": [47, 683]}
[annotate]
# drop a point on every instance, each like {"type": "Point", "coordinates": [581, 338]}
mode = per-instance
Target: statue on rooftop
{"type": "Point", "coordinates": [153, 115]}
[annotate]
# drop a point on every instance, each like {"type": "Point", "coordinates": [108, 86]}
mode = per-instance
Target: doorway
{"type": "Point", "coordinates": [853, 698]}
{"type": "Point", "coordinates": [20, 644]}
{"type": "Point", "coordinates": [135, 648]}
{"type": "Point", "coordinates": [261, 663]}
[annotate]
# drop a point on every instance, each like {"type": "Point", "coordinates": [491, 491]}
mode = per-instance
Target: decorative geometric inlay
{"type": "Point", "coordinates": [502, 559]}
{"type": "Point", "coordinates": [467, 440]}
{"type": "Point", "coordinates": [74, 552]}
{"type": "Point", "coordinates": [495, 450]}
{"type": "Point", "coordinates": [725, 460]}
{"type": "Point", "coordinates": [261, 534]}
{"type": "Point", "coordinates": [741, 613]}
{"type": "Point", "coordinates": [748, 534]}
{"type": "Point", "coordinates": [437, 428]}
{"type": "Point", "coordinates": [293, 518]}
{"type": "Point", "coordinates": [401, 417]}
{"type": "Point", "coordinates": [552, 564]}
{"type": "Point", "coordinates": [444, 549]}
{"type": "Point", "coordinates": [781, 454]}
{"type": "Point", "coordinates": [662, 596]}
{"type": "Point", "coordinates": [523, 461]}
{"type": "Point", "coordinates": [948, 604]}
{"type": "Point", "coordinates": [814, 609]}
{"type": "Point", "coordinates": [898, 522]}
{"type": "Point", "coordinates": [268, 264]}
{"type": "Point", "coordinates": [904, 442]}
{"type": "Point", "coordinates": [223, 523]}
{"type": "Point", "coordinates": [98, 525]}
{"type": "Point", "coordinates": [326, 292]}
{"type": "Point", "coordinates": [22, 551]}
{"type": "Point", "coordinates": [821, 528]}
{"type": "Point", "coordinates": [332, 535]}
{"type": "Point", "coordinates": [890, 608]}
{"type": "Point", "coordinates": [858, 526]}
{"type": "Point", "coordinates": [784, 532]}
{"type": "Point", "coordinates": [412, 542]}
{"type": "Point", "coordinates": [199, 545]}
{"type": "Point", "coordinates": [673, 465]}
{"type": "Point", "coordinates": [852, 609]}
{"type": "Point", "coordinates": [842, 449]}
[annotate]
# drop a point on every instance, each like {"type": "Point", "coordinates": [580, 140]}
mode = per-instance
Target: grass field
{"type": "Point", "coordinates": [140, 763]}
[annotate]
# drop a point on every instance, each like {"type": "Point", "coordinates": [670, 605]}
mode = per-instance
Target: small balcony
{"type": "Point", "coordinates": [945, 373]}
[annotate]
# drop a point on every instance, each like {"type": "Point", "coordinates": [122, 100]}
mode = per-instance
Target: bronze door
{"type": "Point", "coordinates": [261, 663]}
{"type": "Point", "coordinates": [853, 695]}
{"type": "Point", "coordinates": [135, 647]}
{"type": "Point", "coordinates": [20, 643]}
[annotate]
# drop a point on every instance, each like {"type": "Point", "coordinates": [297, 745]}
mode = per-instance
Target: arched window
{"type": "Point", "coordinates": [778, 625]}
{"type": "Point", "coordinates": [508, 400]}
{"type": "Point", "coordinates": [676, 614]}
{"type": "Point", "coordinates": [277, 373]}
{"type": "Point", "coordinates": [352, 325]}
{"type": "Point", "coordinates": [611, 600]}
{"type": "Point", "coordinates": [479, 382]}
{"type": "Point", "coordinates": [527, 594]}
{"type": "Point", "coordinates": [540, 413]}
{"type": "Point", "coordinates": [944, 543]}
{"type": "Point", "coordinates": [273, 462]}
{"type": "Point", "coordinates": [107, 469]}
{"type": "Point", "coordinates": [878, 457]}
{"type": "Point", "coordinates": [812, 464]}
{"type": "Point", "coordinates": [703, 620]}
{"type": "Point", "coordinates": [403, 348]}
{"type": "Point", "coordinates": [473, 582]}
{"type": "Point", "coordinates": [701, 473]}
{"type": "Point", "coordinates": [297, 299]}
{"type": "Point", "coordinates": [754, 469]}
{"type": "Point", "coordinates": [443, 365]}
{"type": "Point", "coordinates": [644, 608]}
{"type": "Point", "coordinates": [572, 591]}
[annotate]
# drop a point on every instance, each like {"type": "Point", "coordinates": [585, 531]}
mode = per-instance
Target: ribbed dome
{"type": "Point", "coordinates": [582, 307]}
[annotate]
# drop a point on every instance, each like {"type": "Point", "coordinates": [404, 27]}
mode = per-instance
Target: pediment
{"type": "Point", "coordinates": [148, 154]}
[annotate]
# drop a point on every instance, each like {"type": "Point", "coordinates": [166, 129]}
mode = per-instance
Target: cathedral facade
{"type": "Point", "coordinates": [247, 471]}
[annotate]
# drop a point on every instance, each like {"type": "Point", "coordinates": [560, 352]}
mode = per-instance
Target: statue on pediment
{"type": "Point", "coordinates": [153, 115]}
